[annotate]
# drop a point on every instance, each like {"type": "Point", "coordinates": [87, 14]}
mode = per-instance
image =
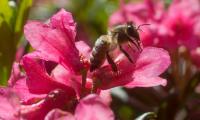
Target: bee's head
{"type": "Point", "coordinates": [132, 31]}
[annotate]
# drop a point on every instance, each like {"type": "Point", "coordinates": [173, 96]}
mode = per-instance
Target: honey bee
{"type": "Point", "coordinates": [115, 38]}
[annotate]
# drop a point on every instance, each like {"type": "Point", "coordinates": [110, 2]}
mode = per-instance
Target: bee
{"type": "Point", "coordinates": [115, 38]}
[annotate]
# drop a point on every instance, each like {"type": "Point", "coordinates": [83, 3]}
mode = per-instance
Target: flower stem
{"type": "Point", "coordinates": [84, 77]}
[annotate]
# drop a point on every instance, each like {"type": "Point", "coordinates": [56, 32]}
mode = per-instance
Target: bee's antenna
{"type": "Point", "coordinates": [138, 28]}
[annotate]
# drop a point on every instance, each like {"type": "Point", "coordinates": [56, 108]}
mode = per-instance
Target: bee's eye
{"type": "Point", "coordinates": [129, 28]}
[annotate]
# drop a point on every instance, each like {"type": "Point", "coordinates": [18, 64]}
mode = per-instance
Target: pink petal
{"type": "Point", "coordinates": [146, 82]}
{"type": "Point", "coordinates": [106, 97]}
{"type": "Point", "coordinates": [152, 62]}
{"type": "Point", "coordinates": [59, 74]}
{"type": "Point", "coordinates": [15, 74]}
{"type": "Point", "coordinates": [130, 12]}
{"type": "Point", "coordinates": [55, 99]}
{"type": "Point", "coordinates": [92, 108]}
{"type": "Point", "coordinates": [108, 79]}
{"type": "Point", "coordinates": [26, 97]}
{"type": "Point", "coordinates": [63, 20]}
{"type": "Point", "coordinates": [64, 76]}
{"type": "Point", "coordinates": [53, 45]}
{"type": "Point", "coordinates": [38, 81]}
{"type": "Point", "coordinates": [17, 82]}
{"type": "Point", "coordinates": [84, 49]}
{"type": "Point", "coordinates": [138, 13]}
{"type": "Point", "coordinates": [57, 114]}
{"type": "Point", "coordinates": [9, 106]}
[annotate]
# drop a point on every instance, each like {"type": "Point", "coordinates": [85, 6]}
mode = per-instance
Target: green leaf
{"type": "Point", "coordinates": [12, 19]}
{"type": "Point", "coordinates": [6, 45]}
{"type": "Point", "coordinates": [22, 15]}
{"type": "Point", "coordinates": [7, 12]}
{"type": "Point", "coordinates": [7, 50]}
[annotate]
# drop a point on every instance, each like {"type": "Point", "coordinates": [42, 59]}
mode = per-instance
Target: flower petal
{"type": "Point", "coordinates": [55, 99]}
{"type": "Point", "coordinates": [93, 103]}
{"type": "Point", "coordinates": [63, 20]}
{"type": "Point", "coordinates": [9, 105]}
{"type": "Point", "coordinates": [53, 45]}
{"type": "Point", "coordinates": [105, 95]}
{"type": "Point", "coordinates": [57, 114]}
{"type": "Point", "coordinates": [38, 81]}
{"type": "Point", "coordinates": [15, 74]}
{"type": "Point", "coordinates": [26, 97]}
{"type": "Point", "coordinates": [152, 62]}
{"type": "Point", "coordinates": [146, 82]}
{"type": "Point", "coordinates": [84, 49]}
{"type": "Point", "coordinates": [59, 74]}
{"type": "Point", "coordinates": [17, 82]}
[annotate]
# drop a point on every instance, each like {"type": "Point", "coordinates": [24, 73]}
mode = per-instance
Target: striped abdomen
{"type": "Point", "coordinates": [99, 52]}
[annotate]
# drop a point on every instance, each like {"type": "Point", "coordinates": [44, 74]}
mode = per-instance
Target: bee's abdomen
{"type": "Point", "coordinates": [99, 52]}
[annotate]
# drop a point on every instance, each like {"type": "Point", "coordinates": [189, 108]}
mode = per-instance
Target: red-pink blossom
{"type": "Point", "coordinates": [60, 36]}
{"type": "Point", "coordinates": [55, 106]}
{"type": "Point", "coordinates": [55, 41]}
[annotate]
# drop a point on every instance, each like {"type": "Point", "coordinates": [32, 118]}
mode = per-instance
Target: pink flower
{"type": "Point", "coordinates": [55, 41]}
{"type": "Point", "coordinates": [48, 110]}
{"type": "Point", "coordinates": [55, 99]}
{"type": "Point", "coordinates": [89, 108]}
{"type": "Point", "coordinates": [39, 93]}
{"type": "Point", "coordinates": [59, 36]}
{"type": "Point", "coordinates": [138, 13]}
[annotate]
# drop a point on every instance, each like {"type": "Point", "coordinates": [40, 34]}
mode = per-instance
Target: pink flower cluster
{"type": "Point", "coordinates": [170, 28]}
{"type": "Point", "coordinates": [54, 84]}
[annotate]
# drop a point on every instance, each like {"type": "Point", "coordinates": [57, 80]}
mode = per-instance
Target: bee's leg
{"type": "Point", "coordinates": [125, 53]}
{"type": "Point", "coordinates": [111, 62]}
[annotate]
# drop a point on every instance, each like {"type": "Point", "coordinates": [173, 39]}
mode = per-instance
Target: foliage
{"type": "Point", "coordinates": [12, 18]}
